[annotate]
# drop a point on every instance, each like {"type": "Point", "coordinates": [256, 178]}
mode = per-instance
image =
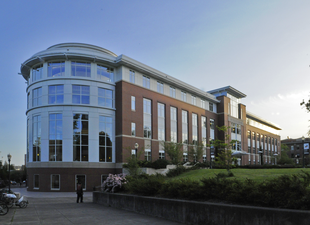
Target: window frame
{"type": "Point", "coordinates": [56, 189]}
{"type": "Point", "coordinates": [56, 94]}
{"type": "Point", "coordinates": [86, 65]}
{"type": "Point", "coordinates": [80, 94]}
{"type": "Point", "coordinates": [62, 69]}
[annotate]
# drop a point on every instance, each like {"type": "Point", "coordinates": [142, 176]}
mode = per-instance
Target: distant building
{"type": "Point", "coordinates": [296, 149]}
{"type": "Point", "coordinates": [87, 108]}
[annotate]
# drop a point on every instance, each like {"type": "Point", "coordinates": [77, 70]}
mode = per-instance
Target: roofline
{"type": "Point", "coordinates": [261, 120]}
{"type": "Point", "coordinates": [230, 90]}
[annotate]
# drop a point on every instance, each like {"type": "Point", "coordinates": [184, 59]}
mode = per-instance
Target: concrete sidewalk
{"type": "Point", "coordinates": [61, 208]}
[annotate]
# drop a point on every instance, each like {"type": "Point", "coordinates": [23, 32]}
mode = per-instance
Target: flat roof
{"type": "Point", "coordinates": [229, 90]}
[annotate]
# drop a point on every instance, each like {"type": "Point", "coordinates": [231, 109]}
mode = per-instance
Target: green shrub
{"type": "Point", "coordinates": [181, 188]}
{"type": "Point", "coordinates": [176, 172]}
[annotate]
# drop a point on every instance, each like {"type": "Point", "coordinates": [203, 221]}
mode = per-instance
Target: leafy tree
{"type": "Point", "coordinates": [224, 156]}
{"type": "Point", "coordinates": [195, 152]}
{"type": "Point", "coordinates": [284, 157]}
{"type": "Point", "coordinates": [307, 105]}
{"type": "Point", "coordinates": [132, 164]}
{"type": "Point", "coordinates": [174, 151]}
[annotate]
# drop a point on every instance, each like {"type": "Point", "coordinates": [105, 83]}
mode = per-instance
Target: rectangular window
{"type": "Point", "coordinates": [172, 92]}
{"type": "Point", "coordinates": [184, 127]}
{"type": "Point", "coordinates": [195, 129]}
{"type": "Point", "coordinates": [266, 144]}
{"type": "Point", "coordinates": [269, 143]}
{"type": "Point", "coordinates": [147, 118]}
{"type": "Point", "coordinates": [161, 154]}
{"type": "Point", "coordinates": [105, 139]}
{"type": "Point", "coordinates": [36, 138]}
{"type": "Point", "coordinates": [133, 103]}
{"type": "Point", "coordinates": [249, 141]}
{"type": "Point", "coordinates": [292, 147]}
{"type": "Point", "coordinates": [56, 69]}
{"type": "Point", "coordinates": [147, 155]}
{"type": "Point", "coordinates": [133, 129]}
{"type": "Point", "coordinates": [212, 127]}
{"type": "Point", "coordinates": [55, 137]}
{"type": "Point", "coordinates": [37, 73]}
{"type": "Point", "coordinates": [276, 145]}
{"type": "Point", "coordinates": [36, 181]}
{"type": "Point", "coordinates": [262, 142]}
{"type": "Point", "coordinates": [211, 106]}
{"type": "Point", "coordinates": [193, 100]}
{"type": "Point", "coordinates": [132, 76]}
{"type": "Point", "coordinates": [146, 82]}
{"type": "Point", "coordinates": [161, 121]}
{"type": "Point", "coordinates": [80, 179]}
{"type": "Point", "coordinates": [105, 73]}
{"type": "Point", "coordinates": [55, 94]}
{"type": "Point", "coordinates": [160, 87]}
{"type": "Point", "coordinates": [80, 94]}
{"type": "Point", "coordinates": [204, 130]}
{"type": "Point", "coordinates": [80, 137]}
{"type": "Point", "coordinates": [105, 97]}
{"type": "Point", "coordinates": [203, 104]}
{"type": "Point", "coordinates": [80, 69]}
{"type": "Point", "coordinates": [257, 141]}
{"type": "Point", "coordinates": [183, 96]}
{"type": "Point", "coordinates": [28, 100]}
{"type": "Point", "coordinates": [55, 182]}
{"type": "Point", "coordinates": [37, 97]}
{"type": "Point", "coordinates": [174, 124]}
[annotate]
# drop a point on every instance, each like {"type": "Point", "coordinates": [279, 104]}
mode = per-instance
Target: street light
{"type": "Point", "coordinates": [9, 159]}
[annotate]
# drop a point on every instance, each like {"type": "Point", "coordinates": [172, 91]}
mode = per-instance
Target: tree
{"type": "Point", "coordinates": [284, 157]}
{"type": "Point", "coordinates": [174, 151]}
{"type": "Point", "coordinates": [195, 152]}
{"type": "Point", "coordinates": [307, 105]}
{"type": "Point", "coordinates": [132, 164]}
{"type": "Point", "coordinates": [224, 156]}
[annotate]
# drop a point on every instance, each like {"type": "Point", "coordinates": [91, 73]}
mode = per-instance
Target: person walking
{"type": "Point", "coordinates": [79, 192]}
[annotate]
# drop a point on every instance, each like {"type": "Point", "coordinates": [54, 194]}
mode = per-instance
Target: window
{"type": "Point", "coordinates": [203, 104]}
{"type": "Point", "coordinates": [184, 127]}
{"type": "Point", "coordinates": [193, 100]}
{"type": "Point", "coordinates": [195, 129]}
{"type": "Point", "coordinates": [146, 82]}
{"type": "Point", "coordinates": [80, 137]}
{"type": "Point", "coordinates": [80, 94]}
{"type": "Point", "coordinates": [105, 97]}
{"type": "Point", "coordinates": [172, 92]}
{"type": "Point", "coordinates": [183, 96]}
{"type": "Point", "coordinates": [36, 137]}
{"type": "Point", "coordinates": [262, 142]}
{"type": "Point", "coordinates": [160, 87]}
{"type": "Point", "coordinates": [36, 181]}
{"type": "Point", "coordinates": [133, 103]}
{"type": "Point", "coordinates": [55, 137]}
{"type": "Point", "coordinates": [133, 129]}
{"type": "Point", "coordinates": [132, 76]}
{"type": "Point", "coordinates": [55, 94]}
{"type": "Point", "coordinates": [80, 179]}
{"type": "Point", "coordinates": [212, 126]}
{"type": "Point", "coordinates": [211, 106]}
{"type": "Point", "coordinates": [37, 97]}
{"type": "Point", "coordinates": [56, 69]}
{"type": "Point", "coordinates": [161, 154]}
{"type": "Point", "coordinates": [55, 182]}
{"type": "Point", "coordinates": [185, 158]}
{"type": "Point", "coordinates": [105, 139]}
{"type": "Point", "coordinates": [147, 118]}
{"type": "Point", "coordinates": [37, 73]}
{"type": "Point", "coordinates": [104, 73]}
{"type": "Point", "coordinates": [249, 141]}
{"type": "Point", "coordinates": [161, 121]}
{"type": "Point", "coordinates": [204, 158]}
{"type": "Point", "coordinates": [28, 100]}
{"type": "Point", "coordinates": [147, 155]}
{"type": "Point", "coordinates": [204, 130]}
{"type": "Point", "coordinates": [80, 69]}
{"type": "Point", "coordinates": [257, 141]}
{"type": "Point", "coordinates": [234, 106]}
{"type": "Point", "coordinates": [292, 147]}
{"type": "Point", "coordinates": [174, 124]}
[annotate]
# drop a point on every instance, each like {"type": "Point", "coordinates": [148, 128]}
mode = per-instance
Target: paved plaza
{"type": "Point", "coordinates": [61, 208]}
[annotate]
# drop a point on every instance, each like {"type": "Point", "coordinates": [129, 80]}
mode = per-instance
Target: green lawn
{"type": "Point", "coordinates": [241, 174]}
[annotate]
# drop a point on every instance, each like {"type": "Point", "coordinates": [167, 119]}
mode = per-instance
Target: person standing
{"type": "Point", "coordinates": [79, 192]}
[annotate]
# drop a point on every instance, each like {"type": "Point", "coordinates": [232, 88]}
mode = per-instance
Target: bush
{"type": "Point", "coordinates": [158, 164]}
{"type": "Point", "coordinates": [113, 183]}
{"type": "Point", "coordinates": [181, 188]}
{"type": "Point", "coordinates": [176, 172]}
{"type": "Point", "coordinates": [145, 184]}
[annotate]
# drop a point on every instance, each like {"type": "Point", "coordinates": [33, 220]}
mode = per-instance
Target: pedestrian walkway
{"type": "Point", "coordinates": [61, 208]}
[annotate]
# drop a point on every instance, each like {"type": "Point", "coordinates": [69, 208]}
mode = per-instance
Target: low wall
{"type": "Point", "coordinates": [192, 212]}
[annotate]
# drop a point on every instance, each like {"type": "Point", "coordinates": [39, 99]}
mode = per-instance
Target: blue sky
{"type": "Point", "coordinates": [261, 48]}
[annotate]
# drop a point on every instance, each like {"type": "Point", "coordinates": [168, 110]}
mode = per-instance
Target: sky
{"type": "Point", "coordinates": [261, 48]}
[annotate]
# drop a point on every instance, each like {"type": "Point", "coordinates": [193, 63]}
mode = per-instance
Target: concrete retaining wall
{"type": "Point", "coordinates": [192, 212]}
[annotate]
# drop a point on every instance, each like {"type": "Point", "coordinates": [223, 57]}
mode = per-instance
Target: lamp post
{"type": "Point", "coordinates": [9, 159]}
{"type": "Point", "coordinates": [303, 154]}
{"type": "Point", "coordinates": [210, 141]}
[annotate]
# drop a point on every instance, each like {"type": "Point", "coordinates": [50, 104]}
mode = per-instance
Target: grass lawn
{"type": "Point", "coordinates": [241, 174]}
